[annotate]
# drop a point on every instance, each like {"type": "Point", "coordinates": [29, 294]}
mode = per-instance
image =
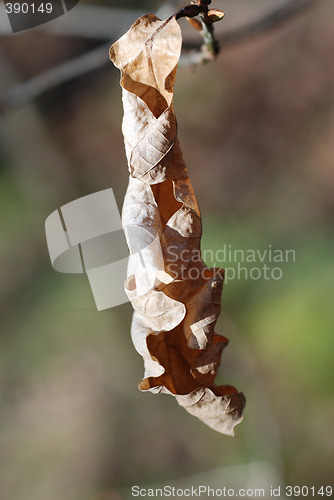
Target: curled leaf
{"type": "Point", "coordinates": [175, 296]}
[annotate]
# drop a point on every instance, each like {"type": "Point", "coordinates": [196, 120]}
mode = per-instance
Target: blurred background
{"type": "Point", "coordinates": [257, 131]}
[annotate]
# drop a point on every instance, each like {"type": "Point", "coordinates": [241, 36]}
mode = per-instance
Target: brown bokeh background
{"type": "Point", "coordinates": [257, 132]}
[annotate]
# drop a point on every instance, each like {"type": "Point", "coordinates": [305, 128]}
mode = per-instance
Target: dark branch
{"type": "Point", "coordinates": [38, 85]}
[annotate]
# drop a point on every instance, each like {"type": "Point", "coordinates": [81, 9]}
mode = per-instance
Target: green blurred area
{"type": "Point", "coordinates": [257, 132]}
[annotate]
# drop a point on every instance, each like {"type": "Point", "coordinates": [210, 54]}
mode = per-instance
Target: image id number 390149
{"type": "Point", "coordinates": [28, 8]}
{"type": "Point", "coordinates": [305, 491]}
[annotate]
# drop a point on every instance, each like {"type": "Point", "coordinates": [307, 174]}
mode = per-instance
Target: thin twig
{"type": "Point", "coordinates": [38, 85]}
{"type": "Point", "coordinates": [97, 58]}
{"type": "Point", "coordinates": [274, 19]}
{"type": "Point", "coordinates": [210, 47]}
{"type": "Point", "coordinates": [93, 22]}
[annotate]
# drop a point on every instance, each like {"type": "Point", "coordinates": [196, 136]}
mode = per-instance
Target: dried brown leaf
{"type": "Point", "coordinates": [176, 298]}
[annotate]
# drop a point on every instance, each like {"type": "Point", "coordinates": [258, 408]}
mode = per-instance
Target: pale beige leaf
{"type": "Point", "coordinates": [220, 412]}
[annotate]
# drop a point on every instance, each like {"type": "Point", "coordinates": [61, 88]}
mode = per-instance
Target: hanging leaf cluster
{"type": "Point", "coordinates": [176, 300]}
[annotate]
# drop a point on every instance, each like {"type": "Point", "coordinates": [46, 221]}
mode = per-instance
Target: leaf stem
{"type": "Point", "coordinates": [210, 47]}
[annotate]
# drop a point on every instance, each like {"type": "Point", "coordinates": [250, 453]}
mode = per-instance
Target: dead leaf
{"type": "Point", "coordinates": [174, 320]}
